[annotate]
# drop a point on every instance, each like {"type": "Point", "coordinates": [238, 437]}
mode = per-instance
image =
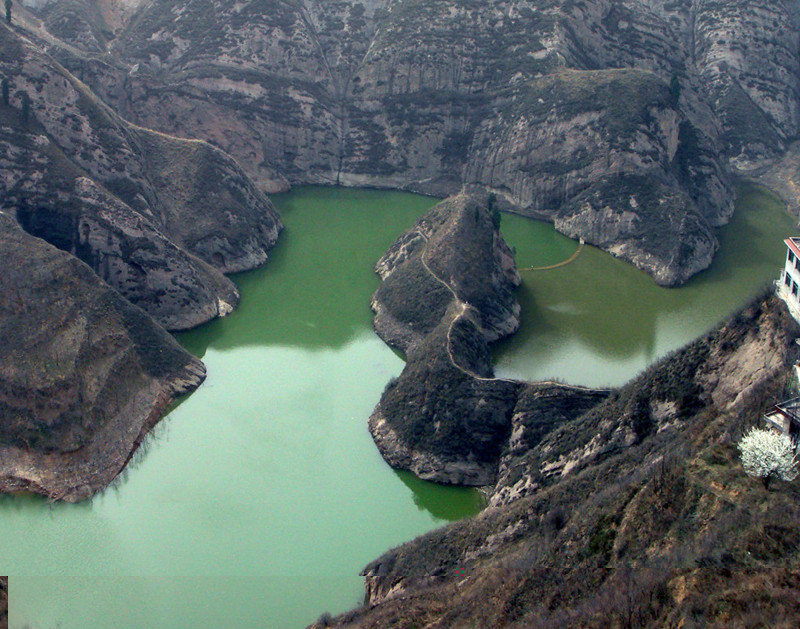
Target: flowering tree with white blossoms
{"type": "Point", "coordinates": [767, 454]}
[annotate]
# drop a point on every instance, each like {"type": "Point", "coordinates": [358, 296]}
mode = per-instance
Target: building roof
{"type": "Point", "coordinates": [794, 245]}
{"type": "Point", "coordinates": [790, 409]}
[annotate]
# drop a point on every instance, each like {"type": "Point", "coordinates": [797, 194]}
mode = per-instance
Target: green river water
{"type": "Point", "coordinates": [259, 498]}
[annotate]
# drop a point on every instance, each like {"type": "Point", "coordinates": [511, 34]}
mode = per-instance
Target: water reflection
{"type": "Point", "coordinates": [600, 321]}
{"type": "Point", "coordinates": [438, 500]}
{"type": "Point", "coordinates": [315, 290]}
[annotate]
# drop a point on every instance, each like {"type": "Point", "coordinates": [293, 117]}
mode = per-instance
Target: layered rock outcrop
{"type": "Point", "coordinates": [84, 374]}
{"type": "Point", "coordinates": [159, 218]}
{"type": "Point", "coordinates": [619, 122]}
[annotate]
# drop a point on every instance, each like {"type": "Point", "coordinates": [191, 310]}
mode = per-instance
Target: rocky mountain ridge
{"type": "Point", "coordinates": [157, 217]}
{"type": "Point", "coordinates": [619, 121]}
{"type": "Point", "coordinates": [447, 291]}
{"type": "Point", "coordinates": [98, 214]}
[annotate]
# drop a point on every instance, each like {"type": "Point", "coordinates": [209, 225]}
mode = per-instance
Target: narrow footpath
{"type": "Point", "coordinates": [463, 306]}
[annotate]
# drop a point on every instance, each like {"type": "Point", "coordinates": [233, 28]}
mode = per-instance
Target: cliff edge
{"type": "Point", "coordinates": [84, 374]}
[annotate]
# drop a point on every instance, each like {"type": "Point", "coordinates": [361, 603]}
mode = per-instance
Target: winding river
{"type": "Point", "coordinates": [259, 498]}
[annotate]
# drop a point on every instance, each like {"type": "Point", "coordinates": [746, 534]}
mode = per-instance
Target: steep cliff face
{"type": "Point", "coordinates": [748, 54]}
{"type": "Point", "coordinates": [553, 105]}
{"type": "Point", "coordinates": [634, 513]}
{"type": "Point", "coordinates": [84, 375]}
{"type": "Point", "coordinates": [158, 218]}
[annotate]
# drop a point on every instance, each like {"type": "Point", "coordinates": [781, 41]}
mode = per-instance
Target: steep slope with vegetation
{"type": "Point", "coordinates": [97, 214]}
{"type": "Point", "coordinates": [84, 374]}
{"type": "Point", "coordinates": [617, 121]}
{"type": "Point", "coordinates": [157, 217]}
{"type": "Point", "coordinates": [446, 293]}
{"type": "Point", "coordinates": [636, 513]}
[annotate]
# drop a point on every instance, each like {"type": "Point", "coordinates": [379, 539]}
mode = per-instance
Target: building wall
{"type": "Point", "coordinates": [789, 284]}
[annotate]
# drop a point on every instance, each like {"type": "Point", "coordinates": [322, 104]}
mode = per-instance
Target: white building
{"type": "Point", "coordinates": [789, 284]}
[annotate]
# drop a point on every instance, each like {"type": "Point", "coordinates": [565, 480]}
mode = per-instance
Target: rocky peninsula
{"type": "Point", "coordinates": [446, 294]}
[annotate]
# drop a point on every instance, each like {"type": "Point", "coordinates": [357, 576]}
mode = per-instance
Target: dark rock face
{"type": "Point", "coordinates": [637, 508]}
{"type": "Point", "coordinates": [619, 122]}
{"type": "Point", "coordinates": [3, 602]}
{"type": "Point", "coordinates": [84, 375]}
{"type": "Point", "coordinates": [159, 218]}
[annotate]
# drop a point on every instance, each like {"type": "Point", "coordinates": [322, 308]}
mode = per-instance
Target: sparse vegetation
{"type": "Point", "coordinates": [659, 530]}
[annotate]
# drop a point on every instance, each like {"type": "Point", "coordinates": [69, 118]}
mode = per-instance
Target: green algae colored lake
{"type": "Point", "coordinates": [258, 499]}
{"type": "Point", "coordinates": [599, 321]}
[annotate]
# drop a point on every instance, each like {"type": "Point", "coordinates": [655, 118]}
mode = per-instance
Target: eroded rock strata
{"type": "Point", "coordinates": [447, 293]}
{"type": "Point", "coordinates": [158, 218]}
{"type": "Point", "coordinates": [635, 511]}
{"type": "Point", "coordinates": [84, 374]}
{"type": "Point", "coordinates": [618, 121]}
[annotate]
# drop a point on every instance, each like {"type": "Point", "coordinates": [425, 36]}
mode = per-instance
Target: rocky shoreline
{"type": "Point", "coordinates": [446, 294]}
{"type": "Point", "coordinates": [633, 504]}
